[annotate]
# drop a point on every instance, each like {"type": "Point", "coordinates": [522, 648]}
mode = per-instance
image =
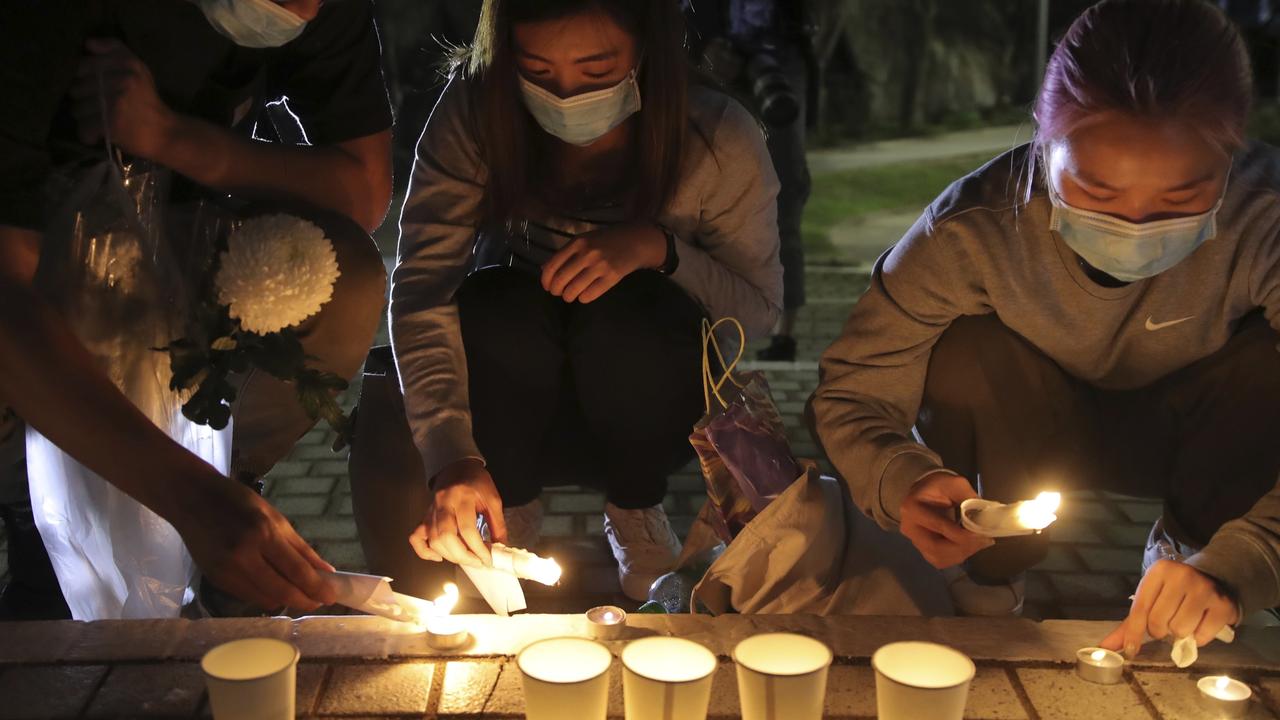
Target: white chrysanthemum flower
{"type": "Point", "coordinates": [278, 270]}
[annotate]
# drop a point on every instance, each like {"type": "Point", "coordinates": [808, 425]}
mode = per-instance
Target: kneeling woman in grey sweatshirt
{"type": "Point", "coordinates": [577, 208]}
{"type": "Point", "coordinates": [1097, 309]}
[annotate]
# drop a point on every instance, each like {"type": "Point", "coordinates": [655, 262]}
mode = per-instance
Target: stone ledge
{"type": "Point", "coordinates": [357, 637]}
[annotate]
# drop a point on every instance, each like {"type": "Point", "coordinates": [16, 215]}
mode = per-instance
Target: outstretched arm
{"type": "Point", "coordinates": [115, 95]}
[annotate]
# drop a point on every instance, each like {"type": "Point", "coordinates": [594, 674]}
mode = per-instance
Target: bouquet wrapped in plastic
{"type": "Point", "coordinates": [125, 287]}
{"type": "Point", "coordinates": [174, 301]}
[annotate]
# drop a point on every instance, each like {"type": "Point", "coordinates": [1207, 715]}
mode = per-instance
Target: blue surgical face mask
{"type": "Point", "coordinates": [253, 23]}
{"type": "Point", "coordinates": [1130, 251]}
{"type": "Point", "coordinates": [582, 119]}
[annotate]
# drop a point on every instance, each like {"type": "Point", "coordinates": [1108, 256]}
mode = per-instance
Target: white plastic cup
{"type": "Point", "coordinates": [252, 679]}
{"type": "Point", "coordinates": [921, 680]}
{"type": "Point", "coordinates": [565, 677]}
{"type": "Point", "coordinates": [666, 678]}
{"type": "Point", "coordinates": [782, 676]}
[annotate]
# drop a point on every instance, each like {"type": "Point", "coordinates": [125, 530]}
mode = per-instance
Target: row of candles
{"type": "Point", "coordinates": [900, 665]}
{"type": "Point", "coordinates": [780, 675]}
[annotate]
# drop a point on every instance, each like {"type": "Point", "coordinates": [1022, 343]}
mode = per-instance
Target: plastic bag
{"type": "Point", "coordinates": [123, 276]}
{"type": "Point", "coordinates": [752, 441]}
{"type": "Point", "coordinates": [741, 442]}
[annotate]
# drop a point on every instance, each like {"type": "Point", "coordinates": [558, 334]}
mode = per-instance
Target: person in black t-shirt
{"type": "Point", "coordinates": [193, 85]}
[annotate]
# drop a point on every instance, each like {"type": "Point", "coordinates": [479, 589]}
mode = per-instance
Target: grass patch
{"type": "Point", "coordinates": [851, 194]}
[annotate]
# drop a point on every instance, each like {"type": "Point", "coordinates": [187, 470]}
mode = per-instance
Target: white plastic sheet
{"type": "Point", "coordinates": [114, 558]}
{"type": "Point", "coordinates": [113, 271]}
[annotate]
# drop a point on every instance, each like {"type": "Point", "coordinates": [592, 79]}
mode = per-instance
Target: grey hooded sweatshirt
{"type": "Point", "coordinates": [723, 214]}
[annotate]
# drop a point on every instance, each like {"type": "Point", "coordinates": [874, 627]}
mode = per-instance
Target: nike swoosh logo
{"type": "Point", "coordinates": [1154, 326]}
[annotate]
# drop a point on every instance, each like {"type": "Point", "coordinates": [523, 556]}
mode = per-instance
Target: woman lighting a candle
{"type": "Point", "coordinates": [577, 208]}
{"type": "Point", "coordinates": [1096, 309]}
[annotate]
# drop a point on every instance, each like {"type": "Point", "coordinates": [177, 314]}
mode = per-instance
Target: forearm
{"type": "Point", "coordinates": [1245, 555]}
{"type": "Point", "coordinates": [53, 383]}
{"type": "Point", "coordinates": [331, 177]}
{"type": "Point", "coordinates": [432, 366]}
{"type": "Point", "coordinates": [880, 461]}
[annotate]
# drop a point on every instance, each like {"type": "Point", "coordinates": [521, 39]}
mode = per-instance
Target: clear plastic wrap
{"type": "Point", "coordinates": [122, 266]}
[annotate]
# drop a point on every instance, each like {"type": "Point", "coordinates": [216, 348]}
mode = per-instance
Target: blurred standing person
{"type": "Point", "coordinates": [762, 51]}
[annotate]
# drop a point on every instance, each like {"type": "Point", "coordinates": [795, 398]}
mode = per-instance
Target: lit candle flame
{"type": "Point", "coordinates": [1098, 655]}
{"type": "Point", "coordinates": [610, 617]}
{"type": "Point", "coordinates": [1223, 682]}
{"type": "Point", "coordinates": [1039, 514]}
{"type": "Point", "coordinates": [444, 604]}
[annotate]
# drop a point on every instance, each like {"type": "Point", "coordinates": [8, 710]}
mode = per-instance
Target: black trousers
{"type": "Point", "coordinates": [1204, 439]}
{"type": "Point", "coordinates": [602, 394]}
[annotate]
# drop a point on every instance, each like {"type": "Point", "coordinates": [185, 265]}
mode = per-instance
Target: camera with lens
{"type": "Point", "coordinates": [775, 97]}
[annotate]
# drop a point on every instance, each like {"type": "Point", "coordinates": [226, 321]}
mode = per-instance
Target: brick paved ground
{"type": "Point", "coordinates": [1089, 574]}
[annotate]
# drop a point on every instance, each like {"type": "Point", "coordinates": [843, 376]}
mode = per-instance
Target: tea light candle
{"type": "Point", "coordinates": [1101, 666]}
{"type": "Point", "coordinates": [607, 622]}
{"type": "Point", "coordinates": [1223, 696]}
{"type": "Point", "coordinates": [446, 632]}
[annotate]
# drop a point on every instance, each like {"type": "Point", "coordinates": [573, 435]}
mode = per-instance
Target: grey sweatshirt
{"type": "Point", "coordinates": [724, 215]}
{"type": "Point", "coordinates": [983, 247]}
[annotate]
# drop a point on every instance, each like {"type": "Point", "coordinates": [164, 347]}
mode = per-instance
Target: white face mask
{"type": "Point", "coordinates": [582, 119]}
{"type": "Point", "coordinates": [1129, 251]}
{"type": "Point", "coordinates": [253, 23]}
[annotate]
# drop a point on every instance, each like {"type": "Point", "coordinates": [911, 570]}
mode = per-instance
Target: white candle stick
{"type": "Point", "coordinates": [524, 564]}
{"type": "Point", "coordinates": [993, 519]}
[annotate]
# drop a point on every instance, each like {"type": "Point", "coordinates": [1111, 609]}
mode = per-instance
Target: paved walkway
{"type": "Point", "coordinates": [992, 141]}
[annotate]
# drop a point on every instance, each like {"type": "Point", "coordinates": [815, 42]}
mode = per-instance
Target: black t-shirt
{"type": "Point", "coordinates": [329, 78]}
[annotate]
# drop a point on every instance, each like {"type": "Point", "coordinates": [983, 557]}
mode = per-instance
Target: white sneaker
{"type": "Point", "coordinates": [644, 545]}
{"type": "Point", "coordinates": [974, 600]}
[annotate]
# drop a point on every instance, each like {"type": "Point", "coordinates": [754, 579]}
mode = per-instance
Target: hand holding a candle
{"type": "Point", "coordinates": [1173, 599]}
{"type": "Point", "coordinates": [463, 490]}
{"type": "Point", "coordinates": [928, 520]}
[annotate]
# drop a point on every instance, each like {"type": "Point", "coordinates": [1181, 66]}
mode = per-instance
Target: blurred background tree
{"type": "Point", "coordinates": [885, 68]}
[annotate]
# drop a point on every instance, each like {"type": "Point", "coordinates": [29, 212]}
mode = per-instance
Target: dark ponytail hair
{"type": "Point", "coordinates": [507, 134]}
{"type": "Point", "coordinates": [1165, 59]}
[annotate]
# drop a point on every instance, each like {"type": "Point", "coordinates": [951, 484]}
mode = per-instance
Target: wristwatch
{"type": "Point", "coordinates": [673, 259]}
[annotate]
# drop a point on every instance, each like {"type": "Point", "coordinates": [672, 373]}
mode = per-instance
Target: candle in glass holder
{"type": "Point", "coordinates": [607, 622]}
{"type": "Point", "coordinates": [1224, 697]}
{"type": "Point", "coordinates": [1097, 665]}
